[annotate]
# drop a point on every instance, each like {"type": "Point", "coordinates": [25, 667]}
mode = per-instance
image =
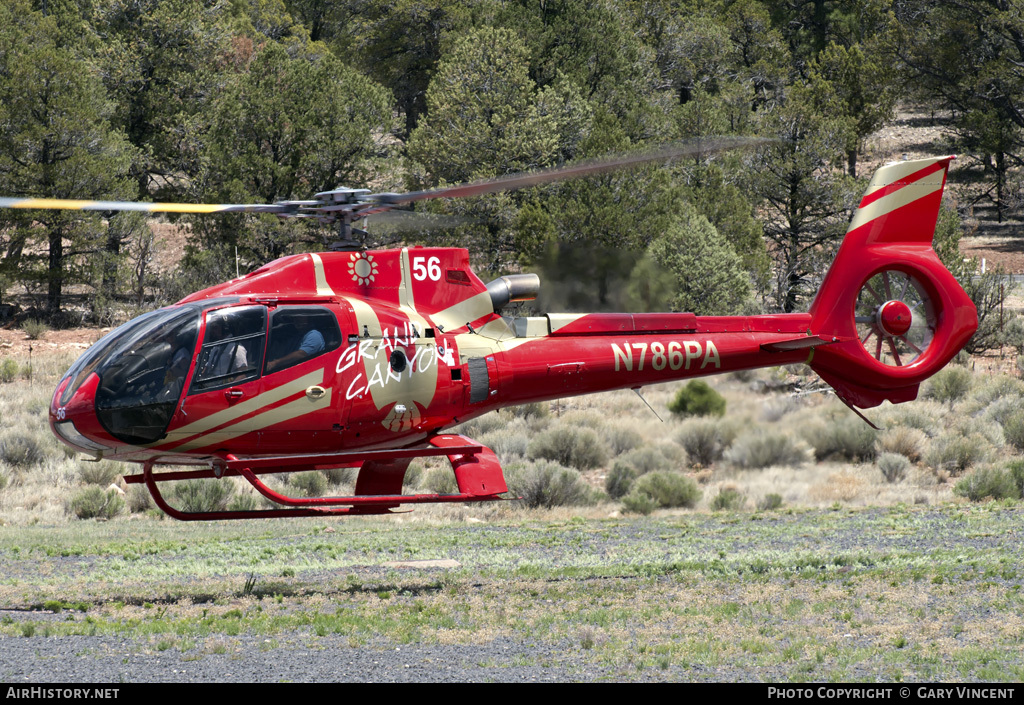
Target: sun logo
{"type": "Point", "coordinates": [362, 268]}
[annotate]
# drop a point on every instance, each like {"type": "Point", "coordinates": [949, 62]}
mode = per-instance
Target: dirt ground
{"type": "Point", "coordinates": [14, 342]}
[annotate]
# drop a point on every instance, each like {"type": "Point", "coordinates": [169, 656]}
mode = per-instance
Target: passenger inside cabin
{"type": "Point", "coordinates": [306, 341]}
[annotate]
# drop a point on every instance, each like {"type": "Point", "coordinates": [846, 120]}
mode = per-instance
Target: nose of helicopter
{"type": "Point", "coordinates": [73, 417]}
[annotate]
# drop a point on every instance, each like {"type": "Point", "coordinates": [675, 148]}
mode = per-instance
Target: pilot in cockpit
{"type": "Point", "coordinates": [177, 368]}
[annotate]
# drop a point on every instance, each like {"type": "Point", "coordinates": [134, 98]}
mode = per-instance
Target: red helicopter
{"type": "Point", "coordinates": [363, 359]}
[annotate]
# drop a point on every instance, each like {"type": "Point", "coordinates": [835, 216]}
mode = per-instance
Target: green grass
{"type": "Point", "coordinates": [923, 593]}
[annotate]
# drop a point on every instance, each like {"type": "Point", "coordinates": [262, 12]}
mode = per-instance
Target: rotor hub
{"type": "Point", "coordinates": [894, 317]}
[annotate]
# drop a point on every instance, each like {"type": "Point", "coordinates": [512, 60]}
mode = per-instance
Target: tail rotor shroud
{"type": "Point", "coordinates": [895, 317]}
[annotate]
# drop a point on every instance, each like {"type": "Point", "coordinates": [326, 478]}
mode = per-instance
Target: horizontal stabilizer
{"type": "Point", "coordinates": [805, 341]}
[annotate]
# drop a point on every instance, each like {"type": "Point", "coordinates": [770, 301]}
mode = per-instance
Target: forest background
{"type": "Point", "coordinates": [265, 100]}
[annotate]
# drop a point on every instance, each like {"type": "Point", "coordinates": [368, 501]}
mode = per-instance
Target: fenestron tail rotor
{"type": "Point", "coordinates": [895, 318]}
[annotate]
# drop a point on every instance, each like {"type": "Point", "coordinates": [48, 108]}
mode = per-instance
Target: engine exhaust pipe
{"type": "Point", "coordinates": [512, 288]}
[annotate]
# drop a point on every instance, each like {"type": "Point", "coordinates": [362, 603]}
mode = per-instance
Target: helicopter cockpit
{"type": "Point", "coordinates": [143, 366]}
{"type": "Point", "coordinates": [142, 369]}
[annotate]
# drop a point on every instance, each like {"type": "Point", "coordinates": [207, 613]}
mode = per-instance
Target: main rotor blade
{"type": "Point", "coordinates": [599, 166]}
{"type": "Point", "coordinates": [410, 221]}
{"type": "Point", "coordinates": [70, 204]}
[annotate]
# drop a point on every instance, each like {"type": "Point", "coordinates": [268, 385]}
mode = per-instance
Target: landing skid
{"type": "Point", "coordinates": [378, 485]}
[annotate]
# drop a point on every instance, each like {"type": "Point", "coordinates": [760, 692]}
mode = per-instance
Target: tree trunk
{"type": "Point", "coordinates": [1000, 170]}
{"type": "Point", "coordinates": [55, 271]}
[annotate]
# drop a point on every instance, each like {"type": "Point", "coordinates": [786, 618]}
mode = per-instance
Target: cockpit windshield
{"type": "Point", "coordinates": [142, 373]}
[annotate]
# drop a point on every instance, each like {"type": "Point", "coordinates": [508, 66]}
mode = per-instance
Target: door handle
{"type": "Point", "coordinates": [233, 395]}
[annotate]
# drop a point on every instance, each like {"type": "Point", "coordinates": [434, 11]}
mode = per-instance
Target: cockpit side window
{"type": "Point", "coordinates": [298, 334]}
{"type": "Point", "coordinates": [232, 350]}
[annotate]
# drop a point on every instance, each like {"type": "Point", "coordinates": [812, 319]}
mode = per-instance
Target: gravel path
{"type": "Point", "coordinates": [316, 659]}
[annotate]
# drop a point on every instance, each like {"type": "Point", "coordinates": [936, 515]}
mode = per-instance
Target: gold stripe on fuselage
{"type": "Point", "coordinates": [242, 408]}
{"type": "Point", "coordinates": [292, 410]}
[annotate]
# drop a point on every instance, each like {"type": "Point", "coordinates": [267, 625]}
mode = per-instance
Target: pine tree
{"type": "Point", "coordinates": [55, 141]}
{"type": "Point", "coordinates": [805, 199]}
{"type": "Point", "coordinates": [709, 277]}
{"type": "Point", "coordinates": [159, 61]}
{"type": "Point", "coordinates": [971, 55]}
{"type": "Point", "coordinates": [286, 129]}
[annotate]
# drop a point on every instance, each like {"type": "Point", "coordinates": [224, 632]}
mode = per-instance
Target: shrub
{"type": "Point", "coordinates": [893, 466]}
{"type": "Point", "coordinates": [1013, 334]}
{"type": "Point", "coordinates": [508, 443]}
{"type": "Point", "coordinates": [995, 388]}
{"type": "Point", "coordinates": [639, 503]}
{"type": "Point", "coordinates": [481, 425]}
{"type": "Point", "coordinates": [95, 503]}
{"type": "Point", "coordinates": [138, 499]}
{"type": "Point", "coordinates": [21, 451]}
{"type": "Point", "coordinates": [203, 495]}
{"type": "Point", "coordinates": [1016, 470]}
{"type": "Point", "coordinates": [622, 439]}
{"type": "Point", "coordinates": [620, 479]}
{"type": "Point", "coordinates": [1000, 410]}
{"type": "Point", "coordinates": [102, 473]}
{"type": "Point", "coordinates": [441, 481]}
{"type": "Point", "coordinates": [413, 475]}
{"type": "Point", "coordinates": [586, 419]}
{"type": "Point", "coordinates": [8, 370]}
{"type": "Point", "coordinates": [536, 410]}
{"type": "Point", "coordinates": [904, 440]}
{"type": "Point", "coordinates": [927, 417]}
{"type": "Point", "coordinates": [954, 453]}
{"type": "Point", "coordinates": [702, 441]}
{"type": "Point", "coordinates": [991, 431]}
{"type": "Point", "coordinates": [668, 489]}
{"type": "Point", "coordinates": [342, 476]}
{"type": "Point", "coordinates": [847, 437]}
{"type": "Point", "coordinates": [580, 448]}
{"type": "Point", "coordinates": [985, 483]}
{"type": "Point", "coordinates": [1013, 430]}
{"type": "Point", "coordinates": [697, 398]}
{"type": "Point", "coordinates": [243, 502]}
{"type": "Point", "coordinates": [770, 502]}
{"type": "Point", "coordinates": [762, 448]}
{"type": "Point", "coordinates": [644, 460]}
{"type": "Point", "coordinates": [312, 483]}
{"type": "Point", "coordinates": [3, 481]}
{"type": "Point", "coordinates": [774, 409]}
{"type": "Point", "coordinates": [546, 484]}
{"type": "Point", "coordinates": [34, 329]}
{"type": "Point", "coordinates": [729, 499]}
{"type": "Point", "coordinates": [949, 385]}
